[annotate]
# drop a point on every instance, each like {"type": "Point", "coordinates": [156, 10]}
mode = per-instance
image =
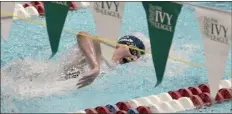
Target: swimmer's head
{"type": "Point", "coordinates": [124, 54]}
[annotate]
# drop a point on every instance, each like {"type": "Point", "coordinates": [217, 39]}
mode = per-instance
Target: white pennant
{"type": "Point", "coordinates": [6, 20]}
{"type": "Point", "coordinates": [108, 19]}
{"type": "Point", "coordinates": [215, 27]}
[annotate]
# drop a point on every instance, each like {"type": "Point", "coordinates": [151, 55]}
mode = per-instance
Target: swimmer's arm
{"type": "Point", "coordinates": [91, 50]}
{"type": "Point", "coordinates": [97, 51]}
{"type": "Point", "coordinates": [87, 46]}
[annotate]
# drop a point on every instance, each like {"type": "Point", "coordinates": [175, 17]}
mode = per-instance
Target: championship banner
{"type": "Point", "coordinates": [161, 19]}
{"type": "Point", "coordinates": [215, 26]}
{"type": "Point", "coordinates": [55, 14]}
{"type": "Point", "coordinates": [108, 18]}
{"type": "Point", "coordinates": [7, 11]}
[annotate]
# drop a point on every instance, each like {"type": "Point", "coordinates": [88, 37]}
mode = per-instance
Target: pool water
{"type": "Point", "coordinates": [28, 43]}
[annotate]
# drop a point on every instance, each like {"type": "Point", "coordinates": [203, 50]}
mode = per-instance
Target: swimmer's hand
{"type": "Point", "coordinates": [88, 78]}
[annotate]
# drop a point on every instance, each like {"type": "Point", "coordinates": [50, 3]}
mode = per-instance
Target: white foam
{"type": "Point", "coordinates": [30, 78]}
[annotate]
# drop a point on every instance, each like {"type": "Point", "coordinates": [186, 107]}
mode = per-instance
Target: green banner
{"type": "Point", "coordinates": [55, 13]}
{"type": "Point", "coordinates": [161, 19]}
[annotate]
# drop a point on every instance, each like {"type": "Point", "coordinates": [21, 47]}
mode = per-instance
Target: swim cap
{"type": "Point", "coordinates": [132, 40]}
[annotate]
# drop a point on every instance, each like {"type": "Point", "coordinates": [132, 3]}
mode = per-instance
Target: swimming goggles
{"type": "Point", "coordinates": [130, 59]}
{"type": "Point", "coordinates": [133, 51]}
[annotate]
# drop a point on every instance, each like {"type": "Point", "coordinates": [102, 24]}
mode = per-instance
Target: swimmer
{"type": "Point", "coordinates": [122, 54]}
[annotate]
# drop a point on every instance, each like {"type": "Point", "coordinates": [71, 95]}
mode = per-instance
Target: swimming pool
{"type": "Point", "coordinates": [27, 39]}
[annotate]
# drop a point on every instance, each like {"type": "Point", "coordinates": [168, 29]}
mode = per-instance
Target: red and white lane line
{"type": "Point", "coordinates": [173, 101]}
{"type": "Point", "coordinates": [27, 10]}
{"type": "Point", "coordinates": [36, 8]}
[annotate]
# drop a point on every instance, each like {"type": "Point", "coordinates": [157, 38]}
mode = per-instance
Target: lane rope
{"type": "Point", "coordinates": [105, 41]}
{"type": "Point", "coordinates": [182, 99]}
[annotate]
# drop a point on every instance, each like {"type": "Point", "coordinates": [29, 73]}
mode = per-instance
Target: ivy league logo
{"type": "Point", "coordinates": [159, 18]}
{"type": "Point", "coordinates": [215, 31]}
{"type": "Point", "coordinates": [107, 8]}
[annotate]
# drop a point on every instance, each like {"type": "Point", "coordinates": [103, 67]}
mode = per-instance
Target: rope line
{"type": "Point", "coordinates": [105, 41]}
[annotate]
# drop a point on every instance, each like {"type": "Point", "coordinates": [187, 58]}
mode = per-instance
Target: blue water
{"type": "Point", "coordinates": [31, 40]}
